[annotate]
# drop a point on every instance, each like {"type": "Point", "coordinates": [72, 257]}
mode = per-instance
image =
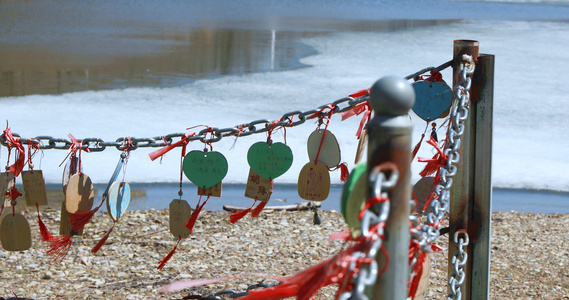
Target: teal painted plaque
{"type": "Point", "coordinates": [432, 99]}
{"type": "Point", "coordinates": [205, 169]}
{"type": "Point", "coordinates": [119, 198]}
{"type": "Point", "coordinates": [269, 161]}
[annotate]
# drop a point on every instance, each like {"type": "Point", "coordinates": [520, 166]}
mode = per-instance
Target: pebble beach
{"type": "Point", "coordinates": [529, 256]}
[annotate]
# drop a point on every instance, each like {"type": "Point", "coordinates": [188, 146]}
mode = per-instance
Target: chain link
{"type": "Point", "coordinates": [368, 272]}
{"type": "Point", "coordinates": [427, 233]}
{"type": "Point", "coordinates": [229, 293]}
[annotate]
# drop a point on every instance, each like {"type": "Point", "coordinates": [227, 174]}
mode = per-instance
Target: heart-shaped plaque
{"type": "Point", "coordinates": [432, 99]}
{"type": "Point", "coordinates": [269, 161]}
{"type": "Point", "coordinates": [205, 169]}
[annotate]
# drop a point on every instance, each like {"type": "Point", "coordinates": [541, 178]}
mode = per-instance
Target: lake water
{"type": "Point", "coordinates": [111, 69]}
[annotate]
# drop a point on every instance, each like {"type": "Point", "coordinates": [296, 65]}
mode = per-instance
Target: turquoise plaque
{"type": "Point", "coordinates": [205, 169]}
{"type": "Point", "coordinates": [432, 99]}
{"type": "Point", "coordinates": [269, 161]}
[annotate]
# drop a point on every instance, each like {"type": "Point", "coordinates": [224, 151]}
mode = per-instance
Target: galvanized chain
{"type": "Point", "coordinates": [373, 216]}
{"type": "Point", "coordinates": [426, 234]}
{"type": "Point", "coordinates": [230, 293]}
{"type": "Point", "coordinates": [207, 135]}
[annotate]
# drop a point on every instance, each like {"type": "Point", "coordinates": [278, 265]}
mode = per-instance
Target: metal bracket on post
{"type": "Point", "coordinates": [389, 140]}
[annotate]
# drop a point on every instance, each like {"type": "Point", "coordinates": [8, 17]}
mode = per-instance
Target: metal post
{"type": "Point", "coordinates": [389, 134]}
{"type": "Point", "coordinates": [470, 203]}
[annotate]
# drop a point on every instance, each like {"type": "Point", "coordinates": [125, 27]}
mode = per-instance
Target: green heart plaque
{"type": "Point", "coordinates": [353, 178]}
{"type": "Point", "coordinates": [269, 161]}
{"type": "Point", "coordinates": [205, 169]}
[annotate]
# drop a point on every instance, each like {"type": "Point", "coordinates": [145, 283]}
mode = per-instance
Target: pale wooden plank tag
{"type": "Point", "coordinates": [314, 182]}
{"type": "Point", "coordinates": [6, 182]}
{"type": "Point", "coordinates": [79, 194]}
{"type": "Point", "coordinates": [258, 187]}
{"type": "Point", "coordinates": [329, 152]}
{"type": "Point", "coordinates": [15, 233]}
{"type": "Point", "coordinates": [180, 212]}
{"type": "Point", "coordinates": [362, 146]}
{"type": "Point", "coordinates": [34, 187]}
{"type": "Point", "coordinates": [214, 191]}
{"type": "Point", "coordinates": [65, 224]}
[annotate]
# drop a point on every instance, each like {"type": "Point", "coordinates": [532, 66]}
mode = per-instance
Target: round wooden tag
{"type": "Point", "coordinates": [118, 200]}
{"type": "Point", "coordinates": [180, 212]}
{"type": "Point", "coordinates": [314, 182]}
{"type": "Point", "coordinates": [79, 193]}
{"type": "Point", "coordinates": [359, 170]}
{"type": "Point", "coordinates": [355, 203]}
{"type": "Point", "coordinates": [422, 191]}
{"type": "Point", "coordinates": [432, 99]}
{"type": "Point", "coordinates": [15, 233]}
{"type": "Point", "coordinates": [205, 169]}
{"type": "Point", "coordinates": [269, 161]}
{"type": "Point", "coordinates": [330, 150]}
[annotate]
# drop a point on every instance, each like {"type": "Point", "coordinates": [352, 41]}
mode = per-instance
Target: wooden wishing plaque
{"type": "Point", "coordinates": [329, 152]}
{"type": "Point", "coordinates": [432, 99]}
{"type": "Point", "coordinates": [180, 212]}
{"type": "Point", "coordinates": [118, 199]}
{"type": "Point", "coordinates": [6, 182]}
{"type": "Point", "coordinates": [258, 187]}
{"type": "Point", "coordinates": [314, 182]}
{"type": "Point", "coordinates": [79, 194]}
{"type": "Point", "coordinates": [15, 233]}
{"type": "Point", "coordinates": [214, 191]}
{"type": "Point", "coordinates": [34, 187]}
{"type": "Point", "coordinates": [422, 190]}
{"type": "Point", "coordinates": [205, 169]}
{"type": "Point", "coordinates": [362, 146]}
{"type": "Point", "coordinates": [65, 224]}
{"type": "Point", "coordinates": [269, 160]}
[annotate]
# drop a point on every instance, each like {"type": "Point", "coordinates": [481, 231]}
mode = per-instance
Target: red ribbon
{"type": "Point", "coordinates": [13, 141]}
{"type": "Point", "coordinates": [183, 141]}
{"type": "Point", "coordinates": [363, 107]}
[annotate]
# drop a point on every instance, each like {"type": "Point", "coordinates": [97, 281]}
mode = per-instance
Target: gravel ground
{"type": "Point", "coordinates": [530, 254]}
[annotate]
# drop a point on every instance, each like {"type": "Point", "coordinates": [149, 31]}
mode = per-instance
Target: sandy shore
{"type": "Point", "coordinates": [530, 254]}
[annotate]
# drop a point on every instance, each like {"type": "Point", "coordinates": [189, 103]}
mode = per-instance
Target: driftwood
{"type": "Point", "coordinates": [299, 206]}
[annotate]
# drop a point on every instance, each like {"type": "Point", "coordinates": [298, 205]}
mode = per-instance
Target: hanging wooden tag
{"type": "Point", "coordinates": [269, 161]}
{"type": "Point", "coordinates": [314, 182]}
{"type": "Point", "coordinates": [355, 203]}
{"type": "Point", "coordinates": [180, 212]}
{"type": "Point", "coordinates": [422, 191]}
{"type": "Point", "coordinates": [68, 172]}
{"type": "Point", "coordinates": [65, 224]}
{"type": "Point", "coordinates": [258, 187]}
{"type": "Point", "coordinates": [118, 200]}
{"type": "Point", "coordinates": [432, 99]}
{"type": "Point", "coordinates": [362, 146]}
{"type": "Point", "coordinates": [15, 233]}
{"type": "Point", "coordinates": [79, 194]}
{"type": "Point", "coordinates": [205, 169]}
{"type": "Point", "coordinates": [329, 152]}
{"type": "Point", "coordinates": [358, 171]}
{"type": "Point", "coordinates": [214, 191]}
{"type": "Point", "coordinates": [6, 182]}
{"type": "Point", "coordinates": [34, 187]}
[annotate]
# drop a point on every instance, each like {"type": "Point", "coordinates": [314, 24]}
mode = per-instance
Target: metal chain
{"type": "Point", "coordinates": [230, 293]}
{"type": "Point", "coordinates": [368, 272]}
{"type": "Point", "coordinates": [208, 135]}
{"type": "Point", "coordinates": [426, 234]}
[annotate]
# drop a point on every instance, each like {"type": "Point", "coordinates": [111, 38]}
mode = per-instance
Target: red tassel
{"type": "Point", "coordinates": [45, 234]}
{"type": "Point", "coordinates": [59, 246]}
{"type": "Point", "coordinates": [192, 221]}
{"type": "Point", "coordinates": [80, 219]}
{"type": "Point", "coordinates": [238, 215]}
{"type": "Point", "coordinates": [257, 211]}
{"type": "Point", "coordinates": [434, 164]}
{"type": "Point", "coordinates": [163, 262]}
{"type": "Point", "coordinates": [103, 240]}
{"type": "Point", "coordinates": [344, 172]}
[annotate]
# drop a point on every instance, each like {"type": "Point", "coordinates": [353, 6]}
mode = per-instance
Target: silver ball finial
{"type": "Point", "coordinates": [392, 96]}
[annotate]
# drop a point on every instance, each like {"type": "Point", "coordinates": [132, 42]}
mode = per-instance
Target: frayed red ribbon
{"type": "Point", "coordinates": [365, 108]}
{"type": "Point", "coordinates": [14, 142]}
{"type": "Point", "coordinates": [183, 141]}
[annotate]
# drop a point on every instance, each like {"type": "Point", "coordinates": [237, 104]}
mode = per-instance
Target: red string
{"type": "Point", "coordinates": [14, 142]}
{"type": "Point", "coordinates": [163, 262]}
{"type": "Point", "coordinates": [183, 141]}
{"type": "Point", "coordinates": [365, 108]}
{"type": "Point", "coordinates": [326, 120]}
